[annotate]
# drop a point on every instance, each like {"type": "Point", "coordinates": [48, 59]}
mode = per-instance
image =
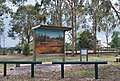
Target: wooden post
{"type": "Point", "coordinates": [62, 70]}
{"type": "Point", "coordinates": [80, 57]}
{"type": "Point", "coordinates": [32, 70]}
{"type": "Point", "coordinates": [87, 57]}
{"type": "Point", "coordinates": [5, 69]}
{"type": "Point", "coordinates": [34, 52]}
{"type": "Point", "coordinates": [96, 71]}
{"type": "Point", "coordinates": [64, 48]}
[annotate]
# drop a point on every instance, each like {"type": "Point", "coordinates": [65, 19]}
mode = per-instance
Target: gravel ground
{"type": "Point", "coordinates": [45, 68]}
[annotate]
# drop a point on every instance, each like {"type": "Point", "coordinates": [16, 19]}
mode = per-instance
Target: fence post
{"type": "Point", "coordinates": [96, 71]}
{"type": "Point", "coordinates": [32, 70]}
{"type": "Point", "coordinates": [5, 68]}
{"type": "Point", "coordinates": [62, 70]}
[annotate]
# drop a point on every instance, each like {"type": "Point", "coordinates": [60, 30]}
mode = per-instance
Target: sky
{"type": "Point", "coordinates": [11, 43]}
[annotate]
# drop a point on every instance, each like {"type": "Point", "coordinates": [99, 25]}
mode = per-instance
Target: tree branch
{"type": "Point", "coordinates": [117, 13]}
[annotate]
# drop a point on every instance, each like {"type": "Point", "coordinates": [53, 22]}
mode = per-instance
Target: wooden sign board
{"type": "Point", "coordinates": [83, 52]}
{"type": "Point", "coordinates": [49, 40]}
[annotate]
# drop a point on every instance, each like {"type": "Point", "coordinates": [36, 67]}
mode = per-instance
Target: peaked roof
{"type": "Point", "coordinates": [52, 27]}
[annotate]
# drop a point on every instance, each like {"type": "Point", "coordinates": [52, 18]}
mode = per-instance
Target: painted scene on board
{"type": "Point", "coordinates": [49, 41]}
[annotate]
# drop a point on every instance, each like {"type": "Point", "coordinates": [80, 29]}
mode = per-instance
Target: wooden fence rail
{"type": "Point", "coordinates": [62, 66]}
{"type": "Point", "coordinates": [95, 63]}
{"type": "Point", "coordinates": [19, 62]}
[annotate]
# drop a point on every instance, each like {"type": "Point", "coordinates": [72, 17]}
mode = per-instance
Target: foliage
{"type": "Point", "coordinates": [115, 39]}
{"type": "Point", "coordinates": [85, 40]}
{"type": "Point", "coordinates": [18, 2]}
{"type": "Point", "coordinates": [77, 14]}
{"type": "Point", "coordinates": [22, 22]}
{"type": "Point", "coordinates": [26, 49]}
{"type": "Point", "coordinates": [53, 10]}
{"type": "Point", "coordinates": [3, 10]}
{"type": "Point", "coordinates": [1, 27]}
{"type": "Point", "coordinates": [68, 46]}
{"type": "Point", "coordinates": [108, 24]}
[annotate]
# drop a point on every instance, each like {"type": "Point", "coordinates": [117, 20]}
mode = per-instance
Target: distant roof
{"type": "Point", "coordinates": [52, 27]}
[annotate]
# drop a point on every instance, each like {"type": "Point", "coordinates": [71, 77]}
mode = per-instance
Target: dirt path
{"type": "Point", "coordinates": [12, 57]}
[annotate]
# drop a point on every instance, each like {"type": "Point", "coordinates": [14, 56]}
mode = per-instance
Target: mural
{"type": "Point", "coordinates": [49, 41]}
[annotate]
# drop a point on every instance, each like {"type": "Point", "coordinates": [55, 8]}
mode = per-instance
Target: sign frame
{"type": "Point", "coordinates": [49, 27]}
{"type": "Point", "coordinates": [83, 52]}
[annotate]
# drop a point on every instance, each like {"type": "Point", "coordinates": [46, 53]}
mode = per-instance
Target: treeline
{"type": "Point", "coordinates": [95, 15]}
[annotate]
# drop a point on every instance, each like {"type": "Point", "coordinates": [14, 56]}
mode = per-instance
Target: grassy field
{"type": "Point", "coordinates": [109, 72]}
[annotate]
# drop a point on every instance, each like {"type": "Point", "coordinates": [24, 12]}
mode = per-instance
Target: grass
{"type": "Point", "coordinates": [89, 73]}
{"type": "Point", "coordinates": [111, 71]}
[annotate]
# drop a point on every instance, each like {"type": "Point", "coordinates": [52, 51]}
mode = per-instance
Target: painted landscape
{"type": "Point", "coordinates": [49, 41]}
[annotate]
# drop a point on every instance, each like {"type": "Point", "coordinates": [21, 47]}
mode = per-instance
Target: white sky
{"type": "Point", "coordinates": [11, 43]}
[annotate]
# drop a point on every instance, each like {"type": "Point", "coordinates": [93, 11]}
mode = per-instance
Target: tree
{"type": "Point", "coordinates": [115, 9]}
{"type": "Point", "coordinates": [115, 39]}
{"type": "Point", "coordinates": [97, 10]}
{"type": "Point", "coordinates": [52, 9]}
{"type": "Point", "coordinates": [22, 22]}
{"type": "Point", "coordinates": [107, 25]}
{"type": "Point", "coordinates": [72, 12]}
{"type": "Point", "coordinates": [115, 43]}
{"type": "Point", "coordinates": [76, 13]}
{"type": "Point", "coordinates": [85, 40]}
{"type": "Point", "coordinates": [3, 10]}
{"type": "Point", "coordinates": [1, 31]}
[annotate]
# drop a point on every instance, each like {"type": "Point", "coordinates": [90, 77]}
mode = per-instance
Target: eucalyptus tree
{"type": "Point", "coordinates": [108, 24]}
{"type": "Point", "coordinates": [3, 10]}
{"type": "Point", "coordinates": [97, 10]}
{"type": "Point", "coordinates": [73, 9]}
{"type": "Point", "coordinates": [52, 9]}
{"type": "Point", "coordinates": [115, 38]}
{"type": "Point", "coordinates": [22, 22]}
{"type": "Point", "coordinates": [116, 9]}
{"type": "Point", "coordinates": [55, 12]}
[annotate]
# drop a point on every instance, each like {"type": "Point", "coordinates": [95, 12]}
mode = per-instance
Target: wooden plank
{"type": "Point", "coordinates": [101, 62]}
{"type": "Point", "coordinates": [49, 54]}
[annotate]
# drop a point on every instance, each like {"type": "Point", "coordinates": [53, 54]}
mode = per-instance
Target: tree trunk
{"type": "Point", "coordinates": [73, 20]}
{"type": "Point", "coordinates": [59, 12]}
{"type": "Point", "coordinates": [75, 30]}
{"type": "Point", "coordinates": [94, 30]}
{"type": "Point", "coordinates": [0, 41]}
{"type": "Point", "coordinates": [73, 33]}
{"type": "Point", "coordinates": [107, 38]}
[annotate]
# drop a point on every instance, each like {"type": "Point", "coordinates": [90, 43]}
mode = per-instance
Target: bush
{"type": "Point", "coordinates": [26, 49]}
